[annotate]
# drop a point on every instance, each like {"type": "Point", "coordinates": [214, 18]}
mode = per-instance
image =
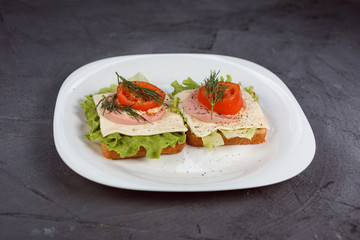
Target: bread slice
{"type": "Point", "coordinates": [110, 154]}
{"type": "Point", "coordinates": [259, 137]}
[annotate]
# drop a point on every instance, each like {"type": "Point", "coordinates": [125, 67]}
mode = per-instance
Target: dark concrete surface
{"type": "Point", "coordinates": [313, 46]}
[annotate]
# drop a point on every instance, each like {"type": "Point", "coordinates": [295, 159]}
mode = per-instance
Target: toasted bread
{"type": "Point", "coordinates": [259, 137]}
{"type": "Point", "coordinates": [110, 154]}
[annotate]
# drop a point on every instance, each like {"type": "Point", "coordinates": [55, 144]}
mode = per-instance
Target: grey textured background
{"type": "Point", "coordinates": [313, 46]}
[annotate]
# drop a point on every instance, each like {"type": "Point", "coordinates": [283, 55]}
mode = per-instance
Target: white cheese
{"type": "Point", "coordinates": [251, 117]}
{"type": "Point", "coordinates": [170, 122]}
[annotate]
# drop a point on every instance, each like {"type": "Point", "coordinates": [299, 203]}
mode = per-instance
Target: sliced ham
{"type": "Point", "coordinates": [197, 110]}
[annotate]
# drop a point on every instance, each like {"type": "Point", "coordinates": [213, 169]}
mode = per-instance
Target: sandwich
{"type": "Point", "coordinates": [133, 119]}
{"type": "Point", "coordinates": [219, 112]}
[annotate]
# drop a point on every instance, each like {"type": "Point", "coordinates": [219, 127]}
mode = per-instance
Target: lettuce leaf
{"type": "Point", "coordinates": [122, 144]}
{"type": "Point", "coordinates": [228, 79]}
{"type": "Point", "coordinates": [110, 89]}
{"type": "Point", "coordinates": [138, 77]}
{"type": "Point", "coordinates": [212, 140]}
{"type": "Point", "coordinates": [188, 84]}
{"type": "Point", "coordinates": [174, 106]}
{"type": "Point", "coordinates": [242, 133]}
{"type": "Point", "coordinates": [250, 90]}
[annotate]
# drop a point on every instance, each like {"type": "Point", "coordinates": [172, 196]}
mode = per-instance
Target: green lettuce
{"type": "Point", "coordinates": [110, 89]}
{"type": "Point", "coordinates": [242, 133]}
{"type": "Point", "coordinates": [228, 79]}
{"type": "Point", "coordinates": [138, 77]}
{"type": "Point", "coordinates": [250, 90]}
{"type": "Point", "coordinates": [215, 139]}
{"type": "Point", "coordinates": [174, 106]}
{"type": "Point", "coordinates": [122, 144]}
{"type": "Point", "coordinates": [212, 140]}
{"type": "Point", "coordinates": [188, 84]}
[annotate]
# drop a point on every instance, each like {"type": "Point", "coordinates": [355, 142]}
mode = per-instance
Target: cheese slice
{"type": "Point", "coordinates": [251, 117]}
{"type": "Point", "coordinates": [170, 122]}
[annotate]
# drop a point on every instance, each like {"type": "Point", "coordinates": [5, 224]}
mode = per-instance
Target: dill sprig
{"type": "Point", "coordinates": [214, 91]}
{"type": "Point", "coordinates": [112, 106]}
{"type": "Point", "coordinates": [145, 94]}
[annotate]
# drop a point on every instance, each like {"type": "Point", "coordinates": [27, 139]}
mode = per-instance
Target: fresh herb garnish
{"type": "Point", "coordinates": [112, 106]}
{"type": "Point", "coordinates": [145, 94]}
{"type": "Point", "coordinates": [214, 91]}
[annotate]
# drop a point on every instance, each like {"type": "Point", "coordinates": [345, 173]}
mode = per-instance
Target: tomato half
{"type": "Point", "coordinates": [230, 103]}
{"type": "Point", "coordinates": [126, 97]}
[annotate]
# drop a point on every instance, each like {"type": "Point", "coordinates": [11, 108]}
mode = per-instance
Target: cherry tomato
{"type": "Point", "coordinates": [126, 97]}
{"type": "Point", "coordinates": [230, 103]}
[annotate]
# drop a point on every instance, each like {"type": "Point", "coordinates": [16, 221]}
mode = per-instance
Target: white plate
{"type": "Point", "coordinates": [289, 147]}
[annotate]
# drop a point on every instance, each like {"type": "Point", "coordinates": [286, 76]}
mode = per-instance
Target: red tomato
{"type": "Point", "coordinates": [230, 103]}
{"type": "Point", "coordinates": [127, 98]}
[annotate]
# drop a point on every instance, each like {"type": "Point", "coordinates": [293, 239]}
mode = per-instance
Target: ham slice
{"type": "Point", "coordinates": [197, 110]}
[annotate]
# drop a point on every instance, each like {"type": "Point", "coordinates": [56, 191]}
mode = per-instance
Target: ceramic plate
{"type": "Point", "coordinates": [289, 147]}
